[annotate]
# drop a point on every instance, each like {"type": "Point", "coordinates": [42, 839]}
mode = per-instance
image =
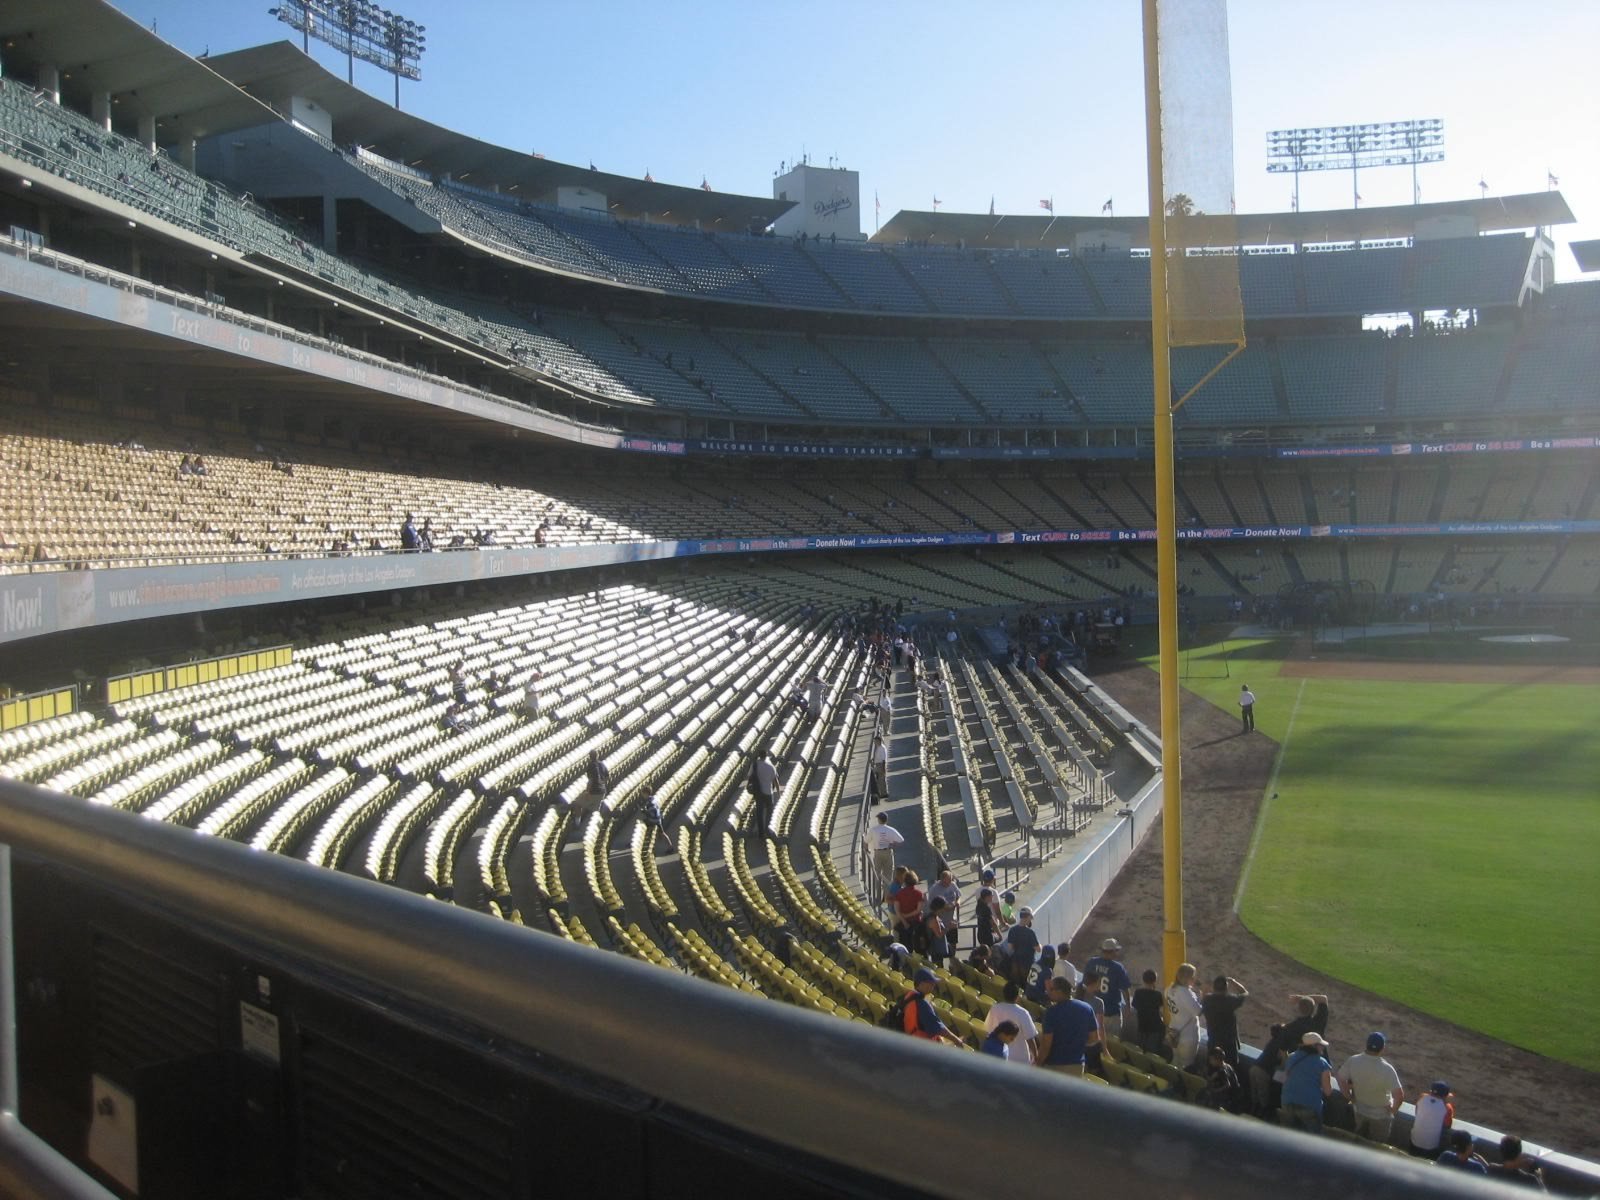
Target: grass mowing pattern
{"type": "Point", "coordinates": [1432, 842]}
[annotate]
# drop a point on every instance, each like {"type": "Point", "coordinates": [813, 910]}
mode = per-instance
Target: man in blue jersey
{"type": "Point", "coordinates": [1067, 1030]}
{"type": "Point", "coordinates": [1117, 990]}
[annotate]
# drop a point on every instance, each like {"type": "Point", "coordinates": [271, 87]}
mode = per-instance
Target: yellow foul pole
{"type": "Point", "coordinates": [1174, 948]}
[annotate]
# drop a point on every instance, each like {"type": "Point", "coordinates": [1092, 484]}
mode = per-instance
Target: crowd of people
{"type": "Point", "coordinates": [1074, 1022]}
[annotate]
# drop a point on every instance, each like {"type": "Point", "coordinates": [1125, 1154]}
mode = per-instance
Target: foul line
{"type": "Point", "coordinates": [1266, 800]}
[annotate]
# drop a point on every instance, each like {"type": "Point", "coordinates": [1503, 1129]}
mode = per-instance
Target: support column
{"type": "Point", "coordinates": [100, 110]}
{"type": "Point", "coordinates": [330, 225]}
{"type": "Point", "coordinates": [50, 83]}
{"type": "Point", "coordinates": [147, 133]}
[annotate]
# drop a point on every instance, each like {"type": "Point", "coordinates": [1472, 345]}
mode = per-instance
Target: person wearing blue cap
{"type": "Point", "coordinates": [920, 1018]}
{"type": "Point", "coordinates": [1374, 1088]}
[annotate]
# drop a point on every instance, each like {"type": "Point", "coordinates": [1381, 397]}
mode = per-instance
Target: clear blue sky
{"type": "Point", "coordinates": [1019, 101]}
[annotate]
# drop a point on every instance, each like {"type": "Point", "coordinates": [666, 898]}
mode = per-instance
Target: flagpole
{"type": "Point", "coordinates": [1174, 944]}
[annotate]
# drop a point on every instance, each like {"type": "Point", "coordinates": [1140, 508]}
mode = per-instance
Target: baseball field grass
{"type": "Point", "coordinates": [1435, 843]}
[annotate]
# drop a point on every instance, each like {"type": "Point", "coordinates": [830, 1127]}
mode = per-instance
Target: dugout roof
{"type": "Point", "coordinates": [1254, 229]}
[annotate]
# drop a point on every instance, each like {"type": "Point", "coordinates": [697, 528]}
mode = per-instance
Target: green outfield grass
{"type": "Point", "coordinates": [1433, 842]}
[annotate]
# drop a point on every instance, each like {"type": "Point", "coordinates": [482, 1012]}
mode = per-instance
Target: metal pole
{"type": "Point", "coordinates": [1174, 944]}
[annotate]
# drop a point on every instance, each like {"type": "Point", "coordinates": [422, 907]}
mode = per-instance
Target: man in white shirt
{"type": "Point", "coordinates": [1026, 1047]}
{"type": "Point", "coordinates": [882, 838]}
{"type": "Point", "coordinates": [1374, 1087]}
{"type": "Point", "coordinates": [1247, 707]}
{"type": "Point", "coordinates": [1064, 968]}
{"type": "Point", "coordinates": [814, 696]}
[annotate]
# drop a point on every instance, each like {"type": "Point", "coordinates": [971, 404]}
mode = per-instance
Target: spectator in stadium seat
{"type": "Point", "coordinates": [814, 696]}
{"type": "Point", "coordinates": [989, 921]}
{"type": "Point", "coordinates": [1092, 992]}
{"type": "Point", "coordinates": [1431, 1120]}
{"type": "Point", "coordinates": [1221, 1006]}
{"type": "Point", "coordinates": [1373, 1086]}
{"type": "Point", "coordinates": [1064, 968]}
{"type": "Point", "coordinates": [1149, 1010]}
{"type": "Point", "coordinates": [1516, 1166]}
{"type": "Point", "coordinates": [921, 1019]}
{"type": "Point", "coordinates": [947, 889]}
{"type": "Point", "coordinates": [1462, 1156]}
{"type": "Point", "coordinates": [1247, 707]}
{"type": "Point", "coordinates": [1119, 987]}
{"type": "Point", "coordinates": [908, 903]}
{"type": "Point", "coordinates": [878, 755]}
{"type": "Point", "coordinates": [530, 694]}
{"type": "Point", "coordinates": [1067, 1032]}
{"type": "Point", "coordinates": [1311, 1016]}
{"type": "Point", "coordinates": [1000, 1040]}
{"type": "Point", "coordinates": [1222, 1084]}
{"type": "Point", "coordinates": [882, 838]}
{"type": "Point", "coordinates": [764, 789]}
{"type": "Point", "coordinates": [1184, 1017]}
{"type": "Point", "coordinates": [1307, 1084]}
{"type": "Point", "coordinates": [1009, 1009]}
{"type": "Point", "coordinates": [981, 961]}
{"type": "Point", "coordinates": [935, 931]}
{"type": "Point", "coordinates": [1023, 944]}
{"type": "Point", "coordinates": [408, 533]}
{"type": "Point", "coordinates": [599, 779]}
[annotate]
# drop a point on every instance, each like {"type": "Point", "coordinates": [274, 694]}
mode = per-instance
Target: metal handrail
{"type": "Point", "coordinates": [790, 1077]}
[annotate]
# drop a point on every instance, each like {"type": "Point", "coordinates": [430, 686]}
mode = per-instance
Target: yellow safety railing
{"type": "Point", "coordinates": [164, 679]}
{"type": "Point", "coordinates": [38, 706]}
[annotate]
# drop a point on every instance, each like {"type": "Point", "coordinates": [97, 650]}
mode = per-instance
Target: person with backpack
{"type": "Point", "coordinates": [914, 1013]}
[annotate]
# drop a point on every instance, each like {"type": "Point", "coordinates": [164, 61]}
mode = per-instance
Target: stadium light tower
{"type": "Point", "coordinates": [1335, 147]}
{"type": "Point", "coordinates": [362, 30]}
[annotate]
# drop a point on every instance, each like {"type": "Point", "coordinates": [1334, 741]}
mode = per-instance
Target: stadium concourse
{"type": "Point", "coordinates": [493, 549]}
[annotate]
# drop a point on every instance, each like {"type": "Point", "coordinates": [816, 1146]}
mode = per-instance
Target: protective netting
{"type": "Point", "coordinates": [1197, 169]}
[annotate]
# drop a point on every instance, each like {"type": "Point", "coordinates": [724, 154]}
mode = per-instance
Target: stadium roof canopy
{"type": "Point", "coordinates": [279, 70]}
{"type": "Point", "coordinates": [97, 49]}
{"type": "Point", "coordinates": [1254, 229]}
{"type": "Point", "coordinates": [1587, 254]}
